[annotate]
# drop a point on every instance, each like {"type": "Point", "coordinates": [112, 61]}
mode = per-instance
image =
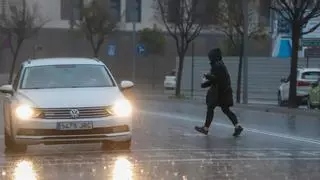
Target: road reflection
{"type": "Point", "coordinates": [122, 169]}
{"type": "Point", "coordinates": [24, 170]}
{"type": "Point", "coordinates": [101, 166]}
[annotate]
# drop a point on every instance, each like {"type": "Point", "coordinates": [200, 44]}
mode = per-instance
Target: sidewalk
{"type": "Point", "coordinates": [252, 105]}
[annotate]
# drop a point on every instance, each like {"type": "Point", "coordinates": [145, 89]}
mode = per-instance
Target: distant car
{"type": "Point", "coordinates": [305, 77]}
{"type": "Point", "coordinates": [314, 96]}
{"type": "Point", "coordinates": [66, 100]}
{"type": "Point", "coordinates": [170, 80]}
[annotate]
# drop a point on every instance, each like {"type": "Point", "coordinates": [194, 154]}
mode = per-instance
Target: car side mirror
{"type": "Point", "coordinates": [7, 88]}
{"type": "Point", "coordinates": [283, 80]}
{"type": "Point", "coordinates": [126, 85]}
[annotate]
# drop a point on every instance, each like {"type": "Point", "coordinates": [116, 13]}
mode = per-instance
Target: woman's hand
{"type": "Point", "coordinates": [209, 77]}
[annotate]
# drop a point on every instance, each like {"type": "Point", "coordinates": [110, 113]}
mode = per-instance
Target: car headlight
{"type": "Point", "coordinates": [25, 112]}
{"type": "Point", "coordinates": [121, 108]}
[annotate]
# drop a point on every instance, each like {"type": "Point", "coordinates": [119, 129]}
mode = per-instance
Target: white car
{"type": "Point", "coordinates": [305, 77]}
{"type": "Point", "coordinates": [170, 80]}
{"type": "Point", "coordinates": [66, 100]}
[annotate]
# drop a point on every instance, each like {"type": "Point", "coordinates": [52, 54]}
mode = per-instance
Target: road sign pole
{"type": "Point", "coordinates": [245, 53]}
{"type": "Point", "coordinates": [192, 69]}
{"type": "Point", "coordinates": [134, 51]}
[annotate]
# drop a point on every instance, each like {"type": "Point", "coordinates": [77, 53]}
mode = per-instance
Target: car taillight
{"type": "Point", "coordinates": [302, 83]}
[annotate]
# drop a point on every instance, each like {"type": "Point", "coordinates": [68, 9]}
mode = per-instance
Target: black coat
{"type": "Point", "coordinates": [220, 91]}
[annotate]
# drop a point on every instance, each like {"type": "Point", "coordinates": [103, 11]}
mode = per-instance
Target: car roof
{"type": "Point", "coordinates": [309, 69]}
{"type": "Point", "coordinates": [59, 61]}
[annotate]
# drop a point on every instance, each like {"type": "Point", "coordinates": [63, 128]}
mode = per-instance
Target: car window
{"type": "Point", "coordinates": [66, 76]}
{"type": "Point", "coordinates": [311, 75]}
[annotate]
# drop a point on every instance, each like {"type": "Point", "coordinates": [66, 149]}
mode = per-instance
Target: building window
{"type": "Point", "coordinates": [13, 8]}
{"type": "Point", "coordinates": [115, 8]}
{"type": "Point", "coordinates": [133, 10]}
{"type": "Point", "coordinates": [205, 11]}
{"type": "Point", "coordinates": [70, 9]}
{"type": "Point", "coordinates": [200, 10]}
{"type": "Point", "coordinates": [173, 11]}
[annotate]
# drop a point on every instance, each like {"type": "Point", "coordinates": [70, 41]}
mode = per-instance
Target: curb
{"type": "Point", "coordinates": [251, 107]}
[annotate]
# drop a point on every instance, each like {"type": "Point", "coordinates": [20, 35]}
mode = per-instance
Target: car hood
{"type": "Point", "coordinates": [73, 97]}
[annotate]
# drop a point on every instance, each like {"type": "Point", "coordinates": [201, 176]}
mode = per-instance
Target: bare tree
{"type": "Point", "coordinates": [21, 23]}
{"type": "Point", "coordinates": [184, 20]}
{"type": "Point", "coordinates": [297, 13]}
{"type": "Point", "coordinates": [231, 22]}
{"type": "Point", "coordinates": [97, 23]}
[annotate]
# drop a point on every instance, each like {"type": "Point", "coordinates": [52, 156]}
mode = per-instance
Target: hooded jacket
{"type": "Point", "coordinates": [220, 92]}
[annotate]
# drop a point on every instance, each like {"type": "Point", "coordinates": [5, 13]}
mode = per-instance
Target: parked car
{"type": "Point", "coordinates": [170, 80]}
{"type": "Point", "coordinates": [314, 96]}
{"type": "Point", "coordinates": [305, 77]}
{"type": "Point", "coordinates": [65, 100]}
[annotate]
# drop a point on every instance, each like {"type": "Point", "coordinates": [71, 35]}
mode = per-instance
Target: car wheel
{"type": "Point", "coordinates": [116, 145]}
{"type": "Point", "coordinates": [280, 101]}
{"type": "Point", "coordinates": [12, 146]}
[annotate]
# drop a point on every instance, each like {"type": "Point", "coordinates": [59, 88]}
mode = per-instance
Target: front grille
{"type": "Point", "coordinates": [64, 113]}
{"type": "Point", "coordinates": [54, 132]}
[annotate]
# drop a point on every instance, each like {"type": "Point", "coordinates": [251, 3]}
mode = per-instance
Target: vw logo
{"type": "Point", "coordinates": [74, 113]}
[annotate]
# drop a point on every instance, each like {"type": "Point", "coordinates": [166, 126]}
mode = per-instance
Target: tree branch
{"type": "Point", "coordinates": [98, 22]}
{"type": "Point", "coordinates": [286, 6]}
{"type": "Point", "coordinates": [164, 20]}
{"type": "Point", "coordinates": [281, 12]}
{"type": "Point", "coordinates": [315, 12]}
{"type": "Point", "coordinates": [315, 27]}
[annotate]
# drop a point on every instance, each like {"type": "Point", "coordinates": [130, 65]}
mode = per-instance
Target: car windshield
{"type": "Point", "coordinates": [312, 75]}
{"type": "Point", "coordinates": [66, 76]}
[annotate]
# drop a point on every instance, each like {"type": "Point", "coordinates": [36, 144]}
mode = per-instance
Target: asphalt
{"type": "Point", "coordinates": [165, 146]}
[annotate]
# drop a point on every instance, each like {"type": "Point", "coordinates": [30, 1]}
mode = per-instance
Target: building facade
{"type": "Point", "coordinates": [60, 13]}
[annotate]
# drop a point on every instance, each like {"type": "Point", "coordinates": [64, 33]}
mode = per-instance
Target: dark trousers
{"type": "Point", "coordinates": [226, 110]}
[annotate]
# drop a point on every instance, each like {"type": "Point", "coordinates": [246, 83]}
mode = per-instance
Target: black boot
{"type": "Point", "coordinates": [237, 131]}
{"type": "Point", "coordinates": [201, 130]}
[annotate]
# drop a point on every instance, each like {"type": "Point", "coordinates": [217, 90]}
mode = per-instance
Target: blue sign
{"type": "Point", "coordinates": [140, 49]}
{"type": "Point", "coordinates": [111, 50]}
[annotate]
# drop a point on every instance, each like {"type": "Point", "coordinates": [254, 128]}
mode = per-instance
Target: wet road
{"type": "Point", "coordinates": [165, 146]}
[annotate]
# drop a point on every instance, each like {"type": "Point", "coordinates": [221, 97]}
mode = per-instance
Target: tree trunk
{"type": "Point", "coordinates": [293, 69]}
{"type": "Point", "coordinates": [153, 72]}
{"type": "Point", "coordinates": [179, 74]}
{"type": "Point", "coordinates": [238, 95]}
{"type": "Point", "coordinates": [96, 52]}
{"type": "Point", "coordinates": [13, 65]}
{"type": "Point", "coordinates": [98, 47]}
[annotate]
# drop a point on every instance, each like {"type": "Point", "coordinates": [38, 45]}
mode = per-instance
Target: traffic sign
{"type": "Point", "coordinates": [111, 50]}
{"type": "Point", "coordinates": [140, 49]}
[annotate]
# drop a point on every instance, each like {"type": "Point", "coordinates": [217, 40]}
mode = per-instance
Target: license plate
{"type": "Point", "coordinates": [74, 125]}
